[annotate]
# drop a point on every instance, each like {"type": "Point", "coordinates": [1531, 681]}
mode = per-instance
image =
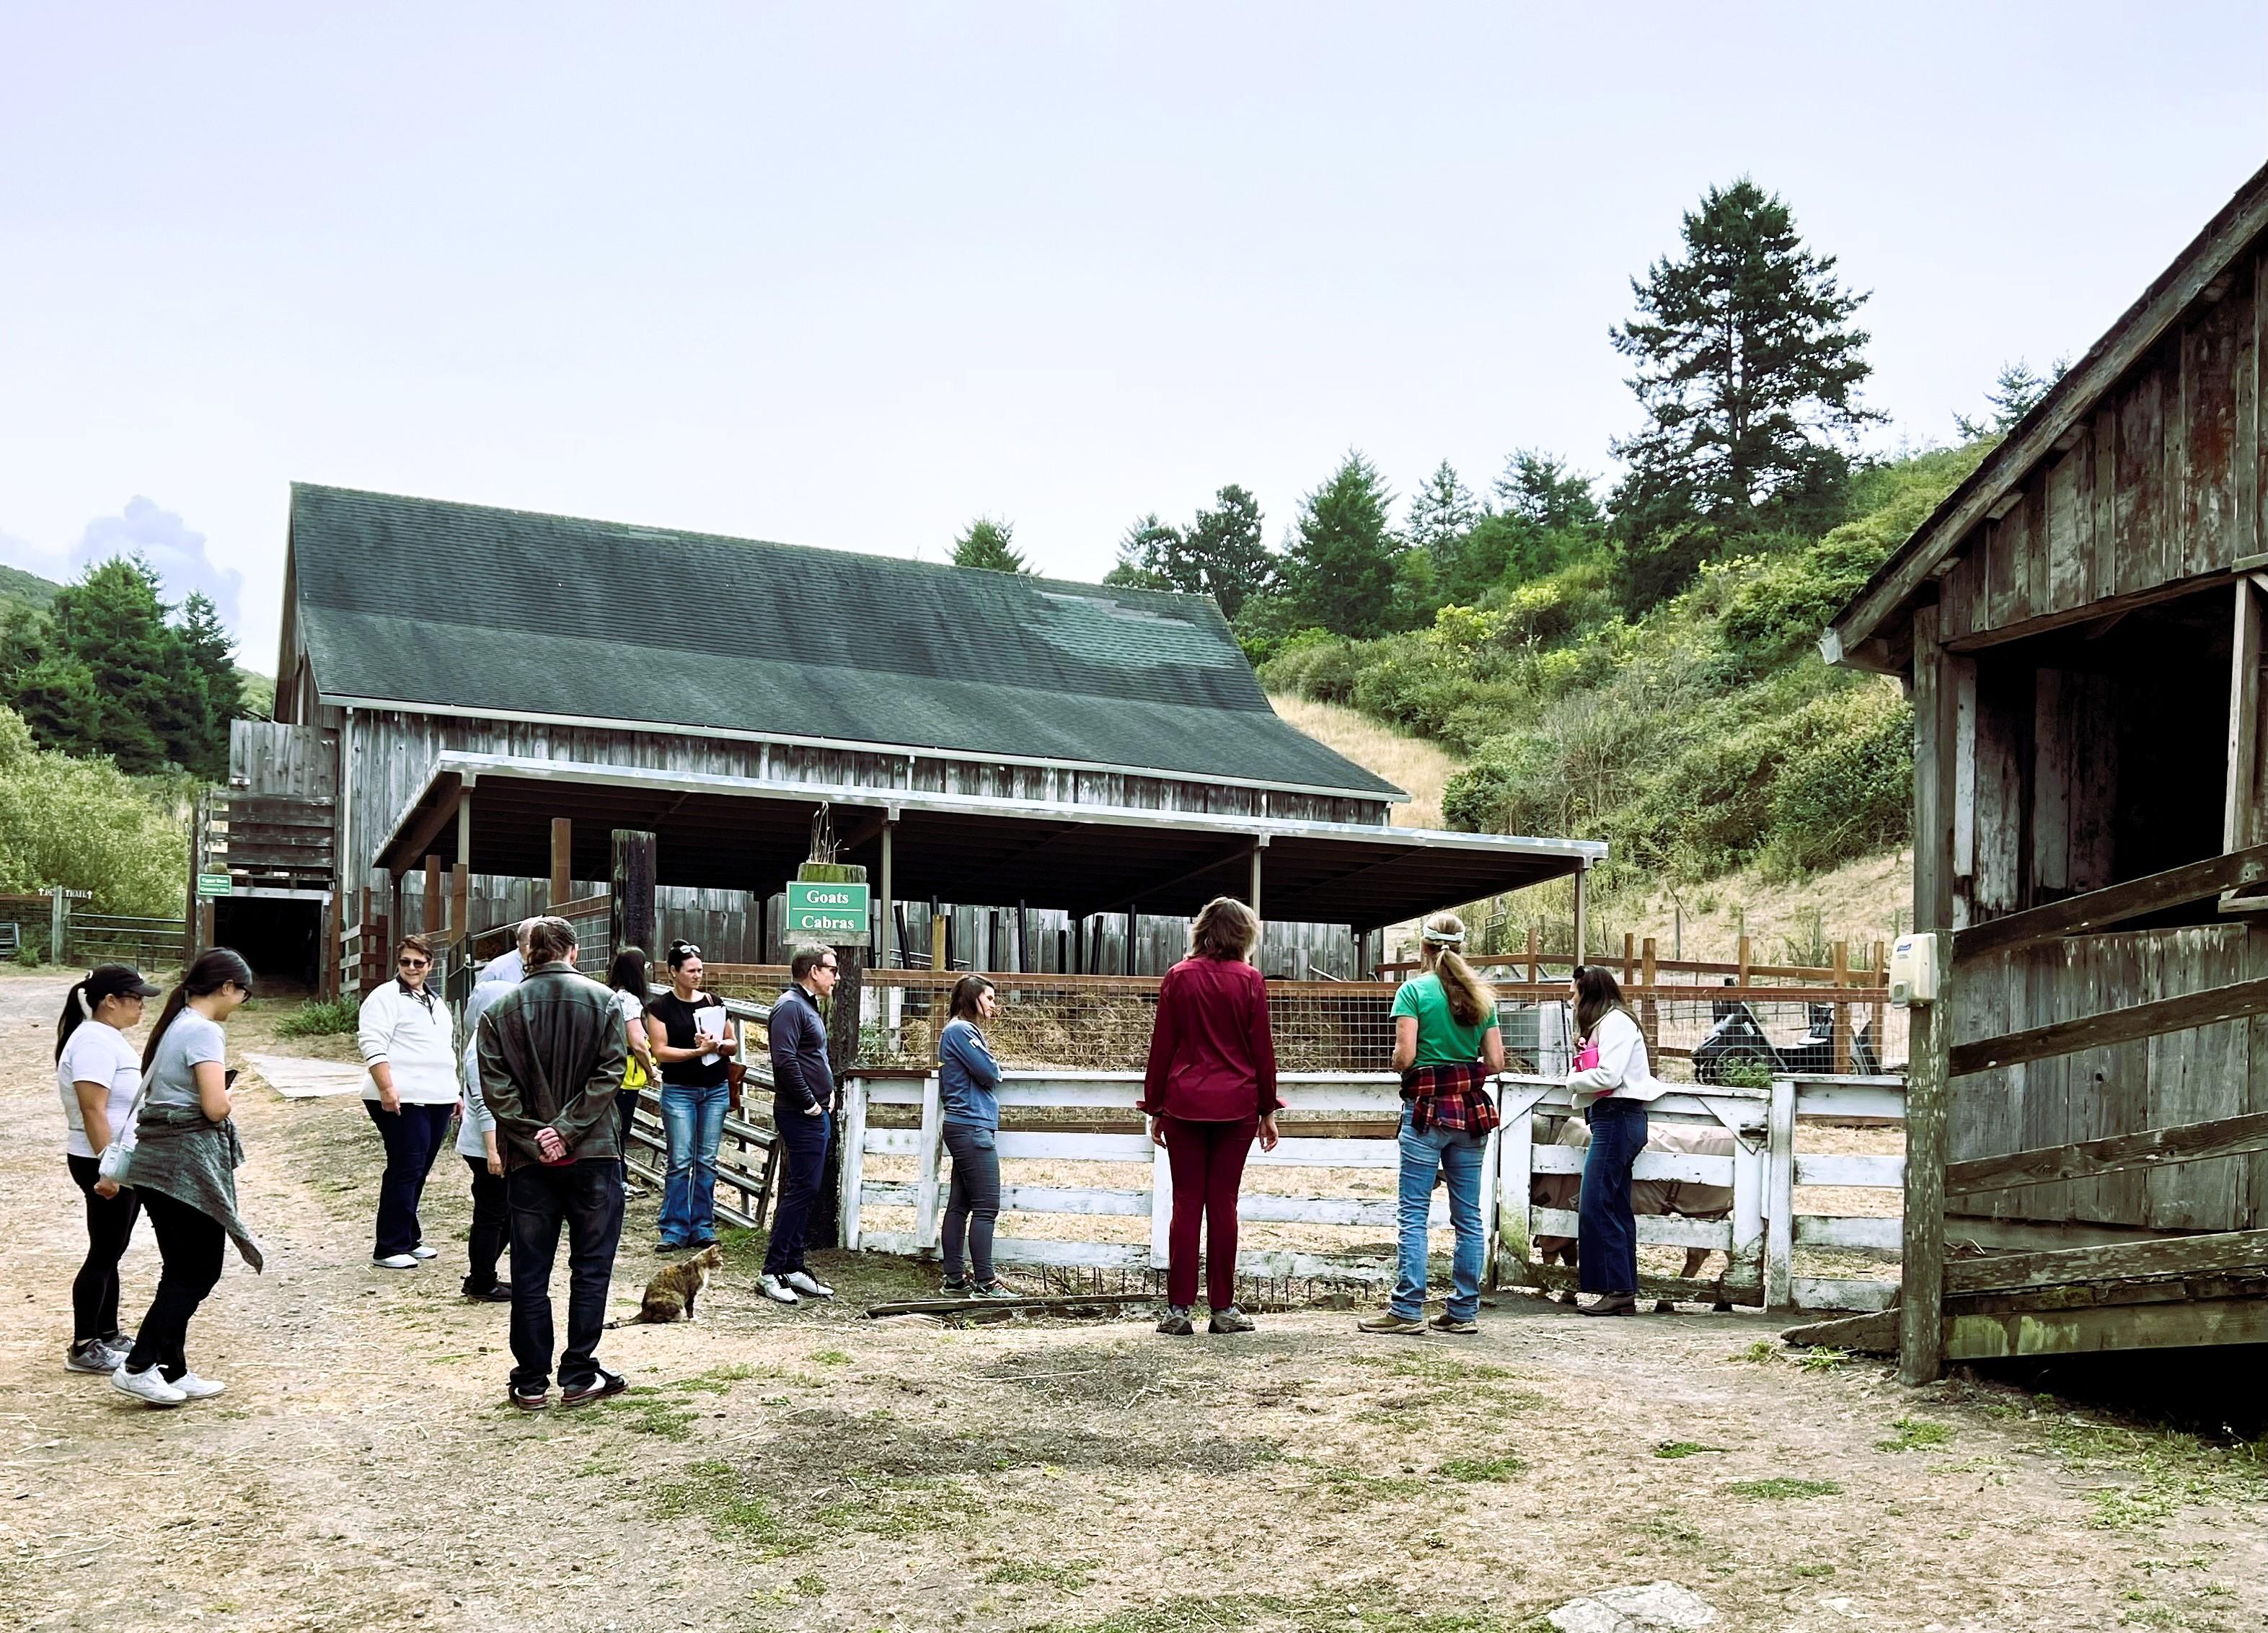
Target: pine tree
{"type": "Point", "coordinates": [2014, 392]}
{"type": "Point", "coordinates": [1143, 555]}
{"type": "Point", "coordinates": [1540, 489]}
{"type": "Point", "coordinates": [1441, 513]}
{"type": "Point", "coordinates": [1747, 367]}
{"type": "Point", "coordinates": [1341, 572]}
{"type": "Point", "coordinates": [210, 652]}
{"type": "Point", "coordinates": [988, 544]}
{"type": "Point", "coordinates": [1221, 554]}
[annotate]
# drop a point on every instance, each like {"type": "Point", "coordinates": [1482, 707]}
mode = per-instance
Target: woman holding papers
{"type": "Point", "coordinates": [694, 1044]}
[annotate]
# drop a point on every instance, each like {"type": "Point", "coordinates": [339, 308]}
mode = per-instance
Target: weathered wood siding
{"type": "Point", "coordinates": [2163, 486]}
{"type": "Point", "coordinates": [2183, 1077]}
{"type": "Point", "coordinates": [394, 753]}
{"type": "Point", "coordinates": [269, 760]}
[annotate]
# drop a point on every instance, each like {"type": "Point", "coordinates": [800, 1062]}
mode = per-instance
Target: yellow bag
{"type": "Point", "coordinates": [634, 1073]}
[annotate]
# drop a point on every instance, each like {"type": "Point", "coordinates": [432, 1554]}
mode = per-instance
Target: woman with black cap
{"type": "Point", "coordinates": [97, 1072]}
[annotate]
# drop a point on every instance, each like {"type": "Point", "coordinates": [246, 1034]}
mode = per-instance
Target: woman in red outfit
{"type": "Point", "coordinates": [1210, 1086]}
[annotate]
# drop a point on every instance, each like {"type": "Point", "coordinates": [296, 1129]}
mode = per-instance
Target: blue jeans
{"type": "Point", "coordinates": [1423, 1156]}
{"type": "Point", "coordinates": [693, 1118]}
{"type": "Point", "coordinates": [413, 1137]}
{"type": "Point", "coordinates": [587, 1198]}
{"type": "Point", "coordinates": [803, 1164]}
{"type": "Point", "coordinates": [1605, 1240]}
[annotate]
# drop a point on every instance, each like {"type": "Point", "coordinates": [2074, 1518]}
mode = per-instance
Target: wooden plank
{"type": "Point", "coordinates": [2208, 436]}
{"type": "Point", "coordinates": [1849, 1101]}
{"type": "Point", "coordinates": [2003, 710]}
{"type": "Point", "coordinates": [1933, 850]}
{"type": "Point", "coordinates": [1779, 1197]}
{"type": "Point", "coordinates": [2088, 914]}
{"type": "Point", "coordinates": [1863, 1334]}
{"type": "Point", "coordinates": [856, 1141]}
{"type": "Point", "coordinates": [2066, 546]}
{"type": "Point", "coordinates": [1962, 673]}
{"type": "Point", "coordinates": [2176, 1326]}
{"type": "Point", "coordinates": [2053, 754]}
{"type": "Point", "coordinates": [928, 1204]}
{"type": "Point", "coordinates": [1664, 1165]}
{"type": "Point", "coordinates": [1028, 1198]}
{"type": "Point", "coordinates": [1877, 1172]}
{"type": "Point", "coordinates": [1920, 1326]}
{"type": "Point", "coordinates": [563, 862]}
{"type": "Point", "coordinates": [2190, 1143]}
{"type": "Point", "coordinates": [1676, 1289]}
{"type": "Point", "coordinates": [2181, 1255]}
{"type": "Point", "coordinates": [1820, 1292]}
{"type": "Point", "coordinates": [2231, 1003]}
{"type": "Point", "coordinates": [2102, 479]}
{"type": "Point", "coordinates": [1849, 1231]}
{"type": "Point", "coordinates": [1654, 1231]}
{"type": "Point", "coordinates": [2241, 807]}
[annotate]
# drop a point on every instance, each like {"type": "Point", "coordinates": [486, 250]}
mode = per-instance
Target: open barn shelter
{"type": "Point", "coordinates": [506, 706]}
{"type": "Point", "coordinates": [2081, 624]}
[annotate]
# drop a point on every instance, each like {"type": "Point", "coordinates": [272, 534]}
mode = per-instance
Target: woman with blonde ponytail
{"type": "Point", "coordinates": [1446, 1046]}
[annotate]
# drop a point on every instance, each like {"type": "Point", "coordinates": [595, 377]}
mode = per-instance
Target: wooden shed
{"type": "Point", "coordinates": [2081, 624]}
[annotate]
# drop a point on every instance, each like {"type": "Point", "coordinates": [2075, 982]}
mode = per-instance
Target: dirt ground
{"type": "Point", "coordinates": [810, 1469]}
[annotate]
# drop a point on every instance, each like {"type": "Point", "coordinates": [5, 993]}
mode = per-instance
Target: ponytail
{"type": "Point", "coordinates": [75, 1009]}
{"type": "Point", "coordinates": [212, 971]}
{"type": "Point", "coordinates": [1470, 999]}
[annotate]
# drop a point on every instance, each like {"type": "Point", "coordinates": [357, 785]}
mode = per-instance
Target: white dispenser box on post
{"type": "Point", "coordinates": [1913, 969]}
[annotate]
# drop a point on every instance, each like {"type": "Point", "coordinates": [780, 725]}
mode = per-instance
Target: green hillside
{"type": "Point", "coordinates": [29, 588]}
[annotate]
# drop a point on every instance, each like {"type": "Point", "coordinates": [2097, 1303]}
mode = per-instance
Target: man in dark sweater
{"type": "Point", "coordinates": [803, 1103]}
{"type": "Point", "coordinates": [551, 1056]}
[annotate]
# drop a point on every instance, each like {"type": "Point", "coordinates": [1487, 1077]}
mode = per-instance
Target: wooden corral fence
{"type": "Point", "coordinates": [1353, 1107]}
{"type": "Point", "coordinates": [747, 1160]}
{"type": "Point", "coordinates": [2206, 1287]}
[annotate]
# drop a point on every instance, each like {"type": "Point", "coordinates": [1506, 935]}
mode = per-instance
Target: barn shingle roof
{"type": "Point", "coordinates": [474, 610]}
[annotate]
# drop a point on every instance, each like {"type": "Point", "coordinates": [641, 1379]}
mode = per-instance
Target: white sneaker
{"type": "Point", "coordinates": [198, 1388]}
{"type": "Point", "coordinates": [150, 1386]}
{"type": "Point", "coordinates": [423, 1252]}
{"type": "Point", "coordinates": [804, 1281]}
{"type": "Point", "coordinates": [778, 1291]}
{"type": "Point", "coordinates": [396, 1261]}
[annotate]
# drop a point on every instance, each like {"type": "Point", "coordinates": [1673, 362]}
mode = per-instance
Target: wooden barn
{"type": "Point", "coordinates": [2081, 624]}
{"type": "Point", "coordinates": [498, 701]}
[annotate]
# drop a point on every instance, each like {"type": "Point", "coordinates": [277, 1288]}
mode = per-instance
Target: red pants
{"type": "Point", "coordinates": [1208, 1164]}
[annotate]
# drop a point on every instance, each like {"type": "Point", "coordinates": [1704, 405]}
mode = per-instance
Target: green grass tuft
{"type": "Point", "coordinates": [1475, 1470]}
{"type": "Point", "coordinates": [1914, 1434]}
{"type": "Point", "coordinates": [1781, 1489]}
{"type": "Point", "coordinates": [321, 1017]}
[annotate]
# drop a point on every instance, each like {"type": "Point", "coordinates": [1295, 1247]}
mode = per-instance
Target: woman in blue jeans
{"type": "Point", "coordinates": [693, 1051]}
{"type": "Point", "coordinates": [969, 1088]}
{"type": "Point", "coordinates": [1612, 1093]}
{"type": "Point", "coordinates": [1446, 1046]}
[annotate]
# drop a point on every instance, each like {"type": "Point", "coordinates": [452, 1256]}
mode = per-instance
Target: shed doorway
{"type": "Point", "coordinates": [281, 938]}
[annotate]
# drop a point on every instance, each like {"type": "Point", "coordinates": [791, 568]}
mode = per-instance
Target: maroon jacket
{"type": "Point", "coordinates": [1211, 1057]}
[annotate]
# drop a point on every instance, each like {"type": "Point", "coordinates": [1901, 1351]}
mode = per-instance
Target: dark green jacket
{"type": "Point", "coordinates": [552, 1052]}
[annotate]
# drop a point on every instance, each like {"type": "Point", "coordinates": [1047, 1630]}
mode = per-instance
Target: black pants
{"type": "Point", "coordinates": [109, 1227]}
{"type": "Point", "coordinates": [492, 1226]}
{"type": "Point", "coordinates": [803, 1165]}
{"type": "Point", "coordinates": [972, 1205]}
{"type": "Point", "coordinates": [586, 1198]}
{"type": "Point", "coordinates": [414, 1137]}
{"type": "Point", "coordinates": [190, 1243]}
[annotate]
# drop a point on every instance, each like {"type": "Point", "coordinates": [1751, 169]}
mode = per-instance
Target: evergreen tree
{"type": "Point", "coordinates": [1747, 367]}
{"type": "Point", "coordinates": [56, 698]}
{"type": "Point", "coordinates": [211, 656]}
{"type": "Point", "coordinates": [988, 544]}
{"type": "Point", "coordinates": [1221, 554]}
{"type": "Point", "coordinates": [1143, 555]}
{"type": "Point", "coordinates": [1540, 490]}
{"type": "Point", "coordinates": [1341, 570]}
{"type": "Point", "coordinates": [2014, 392]}
{"type": "Point", "coordinates": [1441, 513]}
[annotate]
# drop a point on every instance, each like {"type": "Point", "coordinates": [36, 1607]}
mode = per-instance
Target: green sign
{"type": "Point", "coordinates": [212, 885]}
{"type": "Point", "coordinates": [837, 914]}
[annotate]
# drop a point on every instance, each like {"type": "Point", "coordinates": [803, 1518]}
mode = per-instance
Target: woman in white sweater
{"type": "Point", "coordinates": [409, 1043]}
{"type": "Point", "coordinates": [1611, 1086]}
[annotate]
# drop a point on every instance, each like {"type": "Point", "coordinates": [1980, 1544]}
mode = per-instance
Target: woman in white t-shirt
{"type": "Point", "coordinates": [628, 978]}
{"type": "Point", "coordinates": [97, 1072]}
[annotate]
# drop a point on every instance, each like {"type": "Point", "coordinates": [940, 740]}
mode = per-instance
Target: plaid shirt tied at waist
{"type": "Point", "coordinates": [1450, 1097]}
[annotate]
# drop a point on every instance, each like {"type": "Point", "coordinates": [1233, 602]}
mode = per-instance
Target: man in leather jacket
{"type": "Point", "coordinates": [551, 1053]}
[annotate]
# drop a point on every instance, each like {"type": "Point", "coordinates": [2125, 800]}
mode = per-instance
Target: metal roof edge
{"type": "Point", "coordinates": [1390, 794]}
{"type": "Point", "coordinates": [470, 768]}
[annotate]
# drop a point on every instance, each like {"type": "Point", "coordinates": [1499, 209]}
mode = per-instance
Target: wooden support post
{"type": "Point", "coordinates": [1921, 1276]}
{"type": "Point", "coordinates": [1779, 1203]}
{"type": "Point", "coordinates": [1492, 1155]}
{"type": "Point", "coordinates": [928, 1216]}
{"type": "Point", "coordinates": [1535, 955]}
{"type": "Point", "coordinates": [58, 923]}
{"type": "Point", "coordinates": [629, 920]}
{"type": "Point", "coordinates": [430, 921]}
{"type": "Point", "coordinates": [851, 1140]}
{"type": "Point", "coordinates": [1630, 955]}
{"type": "Point", "coordinates": [461, 906]}
{"type": "Point", "coordinates": [937, 926]}
{"type": "Point", "coordinates": [465, 828]}
{"type": "Point", "coordinates": [335, 954]}
{"type": "Point", "coordinates": [1649, 1008]}
{"type": "Point", "coordinates": [1842, 979]}
{"type": "Point", "coordinates": [1750, 1185]}
{"type": "Point", "coordinates": [1580, 875]}
{"type": "Point", "coordinates": [1161, 1206]}
{"type": "Point", "coordinates": [1515, 1169]}
{"type": "Point", "coordinates": [1875, 1036]}
{"type": "Point", "coordinates": [1743, 957]}
{"type": "Point", "coordinates": [886, 933]}
{"type": "Point", "coordinates": [1253, 901]}
{"type": "Point", "coordinates": [2240, 809]}
{"type": "Point", "coordinates": [563, 863]}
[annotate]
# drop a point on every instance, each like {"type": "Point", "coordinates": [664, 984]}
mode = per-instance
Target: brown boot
{"type": "Point", "coordinates": [1606, 1305]}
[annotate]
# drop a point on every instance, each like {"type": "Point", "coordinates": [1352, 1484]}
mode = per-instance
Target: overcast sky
{"type": "Point", "coordinates": [775, 272]}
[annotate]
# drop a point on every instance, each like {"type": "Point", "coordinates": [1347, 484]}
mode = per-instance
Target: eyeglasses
{"type": "Point", "coordinates": [832, 969]}
{"type": "Point", "coordinates": [416, 964]}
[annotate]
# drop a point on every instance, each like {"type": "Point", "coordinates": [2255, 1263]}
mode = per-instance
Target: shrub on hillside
{"type": "Point", "coordinates": [85, 824]}
{"type": "Point", "coordinates": [1853, 794]}
{"type": "Point", "coordinates": [1315, 665]}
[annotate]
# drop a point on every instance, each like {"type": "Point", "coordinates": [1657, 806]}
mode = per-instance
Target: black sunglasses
{"type": "Point", "coordinates": [416, 964]}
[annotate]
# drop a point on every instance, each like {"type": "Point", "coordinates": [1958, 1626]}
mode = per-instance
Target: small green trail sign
{"type": "Point", "coordinates": [836, 914]}
{"type": "Point", "coordinates": [212, 885]}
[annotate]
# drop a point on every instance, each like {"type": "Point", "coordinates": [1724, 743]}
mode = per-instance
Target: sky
{"type": "Point", "coordinates": [853, 276]}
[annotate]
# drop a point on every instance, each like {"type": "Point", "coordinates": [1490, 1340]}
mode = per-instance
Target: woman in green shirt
{"type": "Point", "coordinates": [1445, 1045]}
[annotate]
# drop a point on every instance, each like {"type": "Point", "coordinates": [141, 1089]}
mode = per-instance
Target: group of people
{"type": "Point", "coordinates": [546, 1079]}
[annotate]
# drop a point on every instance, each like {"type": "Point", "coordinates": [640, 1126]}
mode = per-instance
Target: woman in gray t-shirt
{"type": "Point", "coordinates": [184, 1170]}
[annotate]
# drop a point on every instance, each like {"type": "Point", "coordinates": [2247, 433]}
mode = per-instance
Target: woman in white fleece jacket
{"type": "Point", "coordinates": [409, 1043]}
{"type": "Point", "coordinates": [1611, 1087]}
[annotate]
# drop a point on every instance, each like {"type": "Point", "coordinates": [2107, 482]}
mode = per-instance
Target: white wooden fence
{"type": "Point", "coordinates": [1759, 1235]}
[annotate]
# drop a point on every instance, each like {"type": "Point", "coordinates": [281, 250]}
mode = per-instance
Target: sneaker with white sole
{"type": "Point", "coordinates": [92, 1355]}
{"type": "Point", "coordinates": [149, 1386]}
{"type": "Point", "coordinates": [807, 1284]}
{"type": "Point", "coordinates": [423, 1252]}
{"type": "Point", "coordinates": [396, 1261]}
{"type": "Point", "coordinates": [778, 1291]}
{"type": "Point", "coordinates": [198, 1388]}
